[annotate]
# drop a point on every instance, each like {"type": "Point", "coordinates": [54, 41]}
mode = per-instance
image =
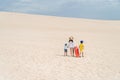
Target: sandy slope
{"type": "Point", "coordinates": [31, 48]}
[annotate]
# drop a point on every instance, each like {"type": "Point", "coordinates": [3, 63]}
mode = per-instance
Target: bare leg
{"type": "Point", "coordinates": [65, 53]}
{"type": "Point", "coordinates": [82, 54]}
{"type": "Point", "coordinates": [71, 51]}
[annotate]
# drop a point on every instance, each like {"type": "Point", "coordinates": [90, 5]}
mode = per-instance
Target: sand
{"type": "Point", "coordinates": [31, 48]}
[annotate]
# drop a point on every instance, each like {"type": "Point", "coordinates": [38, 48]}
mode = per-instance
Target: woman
{"type": "Point", "coordinates": [71, 45]}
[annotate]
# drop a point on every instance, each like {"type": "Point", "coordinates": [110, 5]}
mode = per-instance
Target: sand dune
{"type": "Point", "coordinates": [31, 48]}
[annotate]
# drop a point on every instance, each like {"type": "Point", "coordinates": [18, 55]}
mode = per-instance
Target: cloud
{"type": "Point", "coordinates": [26, 0]}
{"type": "Point", "coordinates": [94, 10]}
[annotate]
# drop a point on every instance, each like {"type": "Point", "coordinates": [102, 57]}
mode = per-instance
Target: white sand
{"type": "Point", "coordinates": [31, 48]}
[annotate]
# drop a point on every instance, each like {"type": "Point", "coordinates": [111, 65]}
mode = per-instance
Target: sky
{"type": "Point", "coordinates": [91, 9]}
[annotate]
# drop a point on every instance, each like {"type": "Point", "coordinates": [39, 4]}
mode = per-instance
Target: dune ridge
{"type": "Point", "coordinates": [31, 48]}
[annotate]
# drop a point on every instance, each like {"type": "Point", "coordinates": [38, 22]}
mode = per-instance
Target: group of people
{"type": "Point", "coordinates": [74, 50]}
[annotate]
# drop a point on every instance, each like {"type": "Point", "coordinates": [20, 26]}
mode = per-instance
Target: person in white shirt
{"type": "Point", "coordinates": [71, 46]}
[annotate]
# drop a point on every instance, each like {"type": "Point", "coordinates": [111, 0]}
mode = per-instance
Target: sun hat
{"type": "Point", "coordinates": [71, 38]}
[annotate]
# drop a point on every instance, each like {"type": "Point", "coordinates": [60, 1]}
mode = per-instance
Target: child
{"type": "Point", "coordinates": [65, 49]}
{"type": "Point", "coordinates": [81, 47]}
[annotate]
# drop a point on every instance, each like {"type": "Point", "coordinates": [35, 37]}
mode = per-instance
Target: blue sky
{"type": "Point", "coordinates": [92, 9]}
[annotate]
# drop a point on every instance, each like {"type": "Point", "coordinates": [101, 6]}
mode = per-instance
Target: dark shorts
{"type": "Point", "coordinates": [65, 50]}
